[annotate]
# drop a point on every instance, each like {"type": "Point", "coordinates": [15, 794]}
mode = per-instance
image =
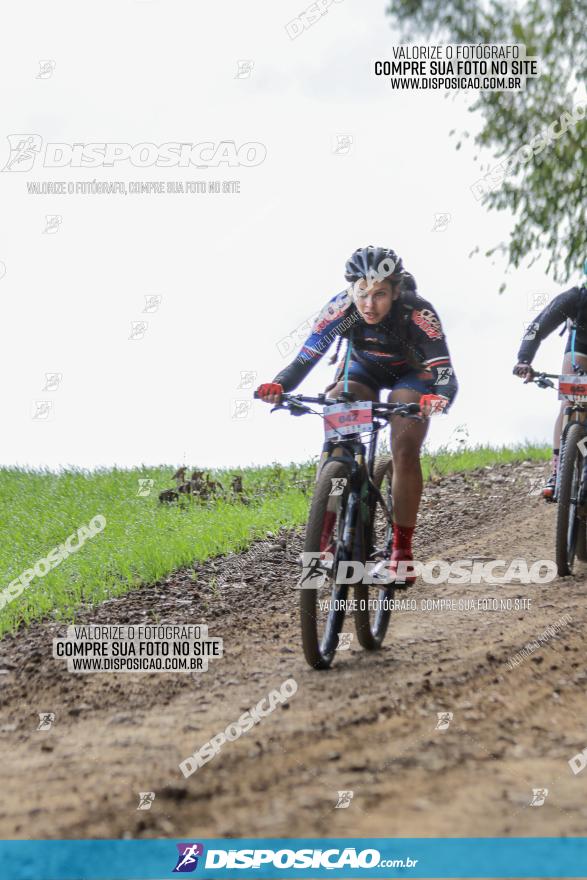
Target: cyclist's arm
{"type": "Point", "coordinates": [563, 306]}
{"type": "Point", "coordinates": [427, 336]}
{"type": "Point", "coordinates": [330, 323]}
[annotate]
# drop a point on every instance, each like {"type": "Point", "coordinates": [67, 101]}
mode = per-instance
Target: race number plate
{"type": "Point", "coordinates": [347, 418]}
{"type": "Point", "coordinates": [572, 388]}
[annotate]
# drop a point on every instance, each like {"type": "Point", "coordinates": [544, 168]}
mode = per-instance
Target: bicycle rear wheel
{"type": "Point", "coordinates": [567, 520]}
{"type": "Point", "coordinates": [322, 600]}
{"type": "Point", "coordinates": [373, 602]}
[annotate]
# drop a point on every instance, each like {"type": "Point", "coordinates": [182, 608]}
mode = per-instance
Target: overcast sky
{"type": "Point", "coordinates": [236, 273]}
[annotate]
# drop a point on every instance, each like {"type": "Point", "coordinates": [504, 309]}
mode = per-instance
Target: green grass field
{"type": "Point", "coordinates": [143, 540]}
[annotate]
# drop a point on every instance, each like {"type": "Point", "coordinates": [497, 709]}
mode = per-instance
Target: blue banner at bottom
{"type": "Point", "coordinates": [489, 857]}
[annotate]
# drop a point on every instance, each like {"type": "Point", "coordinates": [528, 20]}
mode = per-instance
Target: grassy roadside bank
{"type": "Point", "coordinates": [142, 540]}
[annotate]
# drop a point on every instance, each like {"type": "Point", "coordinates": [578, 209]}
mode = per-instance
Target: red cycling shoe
{"type": "Point", "coordinates": [390, 570]}
{"type": "Point", "coordinates": [549, 487]}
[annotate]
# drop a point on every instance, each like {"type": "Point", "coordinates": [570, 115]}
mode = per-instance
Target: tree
{"type": "Point", "coordinates": [546, 193]}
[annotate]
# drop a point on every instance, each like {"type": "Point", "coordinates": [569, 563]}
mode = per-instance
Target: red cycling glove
{"type": "Point", "coordinates": [269, 388]}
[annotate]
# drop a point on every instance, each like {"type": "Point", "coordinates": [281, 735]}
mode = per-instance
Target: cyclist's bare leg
{"type": "Point", "coordinates": [407, 436]}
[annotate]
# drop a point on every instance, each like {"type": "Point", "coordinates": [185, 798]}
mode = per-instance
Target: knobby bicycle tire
{"type": "Point", "coordinates": [371, 625]}
{"type": "Point", "coordinates": [567, 521]}
{"type": "Point", "coordinates": [320, 648]}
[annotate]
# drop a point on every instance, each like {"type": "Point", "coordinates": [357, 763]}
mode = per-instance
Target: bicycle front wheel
{"type": "Point", "coordinates": [568, 522]}
{"type": "Point", "coordinates": [374, 603]}
{"type": "Point", "coordinates": [322, 600]}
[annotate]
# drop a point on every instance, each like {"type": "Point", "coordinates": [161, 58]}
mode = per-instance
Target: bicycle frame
{"type": "Point", "coordinates": [351, 448]}
{"type": "Point", "coordinates": [343, 454]}
{"type": "Point", "coordinates": [361, 460]}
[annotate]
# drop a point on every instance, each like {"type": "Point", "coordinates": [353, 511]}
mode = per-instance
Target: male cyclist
{"type": "Point", "coordinates": [395, 341]}
{"type": "Point", "coordinates": [570, 306]}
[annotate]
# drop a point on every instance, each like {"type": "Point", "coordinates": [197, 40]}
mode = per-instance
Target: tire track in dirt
{"type": "Point", "coordinates": [367, 725]}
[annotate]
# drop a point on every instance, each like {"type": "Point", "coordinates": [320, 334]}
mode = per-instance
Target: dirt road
{"type": "Point", "coordinates": [367, 726]}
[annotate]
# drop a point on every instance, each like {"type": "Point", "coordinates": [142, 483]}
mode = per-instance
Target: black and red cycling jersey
{"type": "Point", "coordinates": [568, 306]}
{"type": "Point", "coordinates": [409, 336]}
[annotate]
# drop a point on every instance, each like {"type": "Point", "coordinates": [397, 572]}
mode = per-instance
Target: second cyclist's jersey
{"type": "Point", "coordinates": [568, 306]}
{"type": "Point", "coordinates": [409, 336]}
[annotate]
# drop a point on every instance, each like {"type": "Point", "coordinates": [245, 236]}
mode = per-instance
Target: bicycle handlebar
{"type": "Point", "coordinates": [297, 400]}
{"type": "Point", "coordinates": [543, 380]}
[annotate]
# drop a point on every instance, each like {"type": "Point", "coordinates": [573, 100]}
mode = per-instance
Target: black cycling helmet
{"type": "Point", "coordinates": [366, 261]}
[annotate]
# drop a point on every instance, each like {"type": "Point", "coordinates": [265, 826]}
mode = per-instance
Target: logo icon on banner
{"type": "Point", "coordinates": [187, 860]}
{"type": "Point", "coordinates": [23, 151]}
{"type": "Point", "coordinates": [313, 569]}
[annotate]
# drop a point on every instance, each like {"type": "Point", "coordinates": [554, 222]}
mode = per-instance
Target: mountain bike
{"type": "Point", "coordinates": [570, 493]}
{"type": "Point", "coordinates": [350, 521]}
